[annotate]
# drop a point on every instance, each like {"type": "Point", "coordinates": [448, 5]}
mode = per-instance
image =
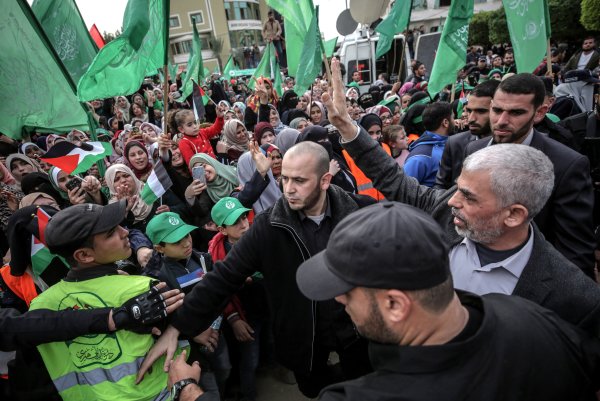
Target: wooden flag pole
{"type": "Point", "coordinates": [549, 58]}
{"type": "Point", "coordinates": [165, 98]}
{"type": "Point", "coordinates": [452, 95]}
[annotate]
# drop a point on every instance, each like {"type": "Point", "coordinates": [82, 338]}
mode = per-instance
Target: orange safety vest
{"type": "Point", "coordinates": [23, 286]}
{"type": "Point", "coordinates": [363, 184]}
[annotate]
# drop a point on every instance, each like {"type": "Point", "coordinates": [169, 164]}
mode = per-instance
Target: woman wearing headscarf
{"type": "Point", "coordinates": [289, 101]}
{"type": "Point", "coordinates": [384, 113]}
{"type": "Point", "coordinates": [299, 123]}
{"type": "Point", "coordinates": [31, 150]}
{"type": "Point", "coordinates": [138, 159]}
{"type": "Point", "coordinates": [342, 177]}
{"type": "Point", "coordinates": [255, 173]}
{"type": "Point", "coordinates": [88, 190]}
{"type": "Point", "coordinates": [123, 184]}
{"type": "Point", "coordinates": [234, 141]}
{"type": "Point", "coordinates": [150, 133]}
{"type": "Point", "coordinates": [20, 165]}
{"type": "Point", "coordinates": [264, 133]}
{"type": "Point", "coordinates": [317, 113]}
{"type": "Point", "coordinates": [239, 108]}
{"type": "Point", "coordinates": [275, 120]}
{"type": "Point", "coordinates": [256, 106]}
{"type": "Point", "coordinates": [286, 139]}
{"type": "Point", "coordinates": [38, 199]}
{"type": "Point", "coordinates": [123, 107]}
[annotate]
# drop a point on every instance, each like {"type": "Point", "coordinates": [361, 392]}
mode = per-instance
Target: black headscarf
{"type": "Point", "coordinates": [317, 134]}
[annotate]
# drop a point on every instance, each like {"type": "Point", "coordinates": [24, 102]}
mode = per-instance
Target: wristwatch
{"type": "Point", "coordinates": [178, 387]}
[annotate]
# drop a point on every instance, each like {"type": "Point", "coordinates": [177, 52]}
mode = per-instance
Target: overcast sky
{"type": "Point", "coordinates": [108, 14]}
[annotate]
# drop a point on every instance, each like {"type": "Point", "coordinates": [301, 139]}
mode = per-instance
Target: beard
{"type": "Point", "coordinates": [481, 231]}
{"type": "Point", "coordinates": [309, 202]}
{"type": "Point", "coordinates": [517, 136]}
{"type": "Point", "coordinates": [374, 327]}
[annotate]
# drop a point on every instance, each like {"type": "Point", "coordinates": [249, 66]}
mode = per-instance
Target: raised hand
{"type": "Point", "coordinates": [336, 106]}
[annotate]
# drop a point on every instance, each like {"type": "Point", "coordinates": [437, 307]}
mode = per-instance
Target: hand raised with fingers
{"type": "Point", "coordinates": [336, 105]}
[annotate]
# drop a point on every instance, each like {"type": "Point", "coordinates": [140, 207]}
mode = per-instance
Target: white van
{"type": "Point", "coordinates": [357, 52]}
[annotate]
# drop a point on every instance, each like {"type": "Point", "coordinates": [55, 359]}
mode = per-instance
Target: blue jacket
{"type": "Point", "coordinates": [424, 158]}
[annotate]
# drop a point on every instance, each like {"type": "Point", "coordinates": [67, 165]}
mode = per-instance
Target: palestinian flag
{"type": "Point", "coordinates": [73, 159]}
{"type": "Point", "coordinates": [42, 219]}
{"type": "Point", "coordinates": [156, 185]}
{"type": "Point", "coordinates": [199, 99]}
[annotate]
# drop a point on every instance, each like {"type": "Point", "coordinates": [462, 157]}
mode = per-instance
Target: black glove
{"type": "Point", "coordinates": [142, 312]}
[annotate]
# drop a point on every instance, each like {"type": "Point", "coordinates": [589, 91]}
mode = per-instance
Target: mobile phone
{"type": "Point", "coordinates": [73, 183]}
{"type": "Point", "coordinates": [198, 174]}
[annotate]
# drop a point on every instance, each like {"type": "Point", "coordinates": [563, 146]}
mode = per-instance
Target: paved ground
{"type": "Point", "coordinates": [270, 389]}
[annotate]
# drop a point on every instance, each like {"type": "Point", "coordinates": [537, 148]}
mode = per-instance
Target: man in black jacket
{"type": "Point", "coordinates": [279, 240]}
{"type": "Point", "coordinates": [478, 211]}
{"type": "Point", "coordinates": [429, 343]}
{"type": "Point", "coordinates": [478, 111]}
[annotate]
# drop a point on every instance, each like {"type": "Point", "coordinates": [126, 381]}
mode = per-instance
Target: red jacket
{"type": "Point", "coordinates": [216, 248]}
{"type": "Point", "coordinates": [190, 145]}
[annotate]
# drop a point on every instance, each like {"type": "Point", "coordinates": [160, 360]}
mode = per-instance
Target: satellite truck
{"type": "Point", "coordinates": [357, 52]}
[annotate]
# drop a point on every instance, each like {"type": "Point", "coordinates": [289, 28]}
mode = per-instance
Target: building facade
{"type": "Point", "coordinates": [225, 27]}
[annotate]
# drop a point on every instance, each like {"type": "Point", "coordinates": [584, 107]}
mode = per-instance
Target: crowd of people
{"type": "Point", "coordinates": [310, 223]}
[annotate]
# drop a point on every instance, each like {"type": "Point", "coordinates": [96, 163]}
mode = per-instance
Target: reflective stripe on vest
{"type": "Point", "coordinates": [98, 375]}
{"type": "Point", "coordinates": [365, 186]}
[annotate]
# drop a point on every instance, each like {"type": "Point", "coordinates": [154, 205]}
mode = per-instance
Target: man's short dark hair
{"type": "Point", "coordinates": [486, 89]}
{"type": "Point", "coordinates": [435, 299]}
{"type": "Point", "coordinates": [67, 251]}
{"type": "Point", "coordinates": [589, 37]}
{"type": "Point", "coordinates": [525, 84]}
{"type": "Point", "coordinates": [434, 115]}
{"type": "Point", "coordinates": [417, 65]}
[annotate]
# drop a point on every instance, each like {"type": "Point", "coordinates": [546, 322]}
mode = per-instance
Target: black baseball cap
{"type": "Point", "coordinates": [75, 224]}
{"type": "Point", "coordinates": [386, 245]}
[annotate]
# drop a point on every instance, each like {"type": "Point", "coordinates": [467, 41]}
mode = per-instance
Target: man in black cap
{"type": "Point", "coordinates": [90, 238]}
{"type": "Point", "coordinates": [488, 215]}
{"type": "Point", "coordinates": [427, 342]}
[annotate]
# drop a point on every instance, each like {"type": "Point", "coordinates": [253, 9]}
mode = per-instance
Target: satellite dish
{"type": "Point", "coordinates": [345, 25]}
{"type": "Point", "coordinates": [367, 11]}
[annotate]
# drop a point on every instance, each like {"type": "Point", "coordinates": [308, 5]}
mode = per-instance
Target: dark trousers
{"type": "Point", "coordinates": [354, 362]}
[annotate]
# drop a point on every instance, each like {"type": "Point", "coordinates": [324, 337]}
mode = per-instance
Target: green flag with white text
{"type": "Point", "coordinates": [529, 27]}
{"type": "Point", "coordinates": [395, 22]}
{"type": "Point", "coordinates": [452, 50]}
{"type": "Point", "coordinates": [68, 34]}
{"type": "Point", "coordinates": [195, 67]}
{"type": "Point", "coordinates": [38, 90]}
{"type": "Point", "coordinates": [311, 57]}
{"type": "Point", "coordinates": [229, 66]}
{"type": "Point", "coordinates": [121, 66]}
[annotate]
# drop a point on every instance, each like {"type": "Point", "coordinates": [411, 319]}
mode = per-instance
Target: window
{"type": "Point", "coordinates": [174, 22]}
{"type": "Point", "coordinates": [184, 47]}
{"type": "Point", "coordinates": [241, 10]}
{"type": "Point", "coordinates": [364, 66]}
{"type": "Point", "coordinates": [198, 17]}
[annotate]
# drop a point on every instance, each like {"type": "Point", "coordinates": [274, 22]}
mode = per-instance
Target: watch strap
{"type": "Point", "coordinates": [178, 387]}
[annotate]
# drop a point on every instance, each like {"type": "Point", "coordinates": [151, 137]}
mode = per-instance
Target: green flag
{"type": "Point", "coordinates": [311, 57]}
{"type": "Point", "coordinates": [41, 92]}
{"type": "Point", "coordinates": [452, 50]}
{"type": "Point", "coordinates": [297, 15]}
{"type": "Point", "coordinates": [329, 46]}
{"type": "Point", "coordinates": [195, 67]}
{"type": "Point", "coordinates": [268, 67]}
{"type": "Point", "coordinates": [396, 22]}
{"type": "Point", "coordinates": [529, 27]}
{"type": "Point", "coordinates": [67, 32]}
{"type": "Point", "coordinates": [229, 66]}
{"type": "Point", "coordinates": [172, 71]}
{"type": "Point", "coordinates": [121, 65]}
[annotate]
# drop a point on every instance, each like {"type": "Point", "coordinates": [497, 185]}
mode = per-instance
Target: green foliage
{"type": "Point", "coordinates": [564, 19]}
{"type": "Point", "coordinates": [590, 14]}
{"type": "Point", "coordinates": [497, 27]}
{"type": "Point", "coordinates": [479, 31]}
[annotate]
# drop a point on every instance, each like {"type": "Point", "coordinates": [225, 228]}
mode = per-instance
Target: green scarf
{"type": "Point", "coordinates": [226, 177]}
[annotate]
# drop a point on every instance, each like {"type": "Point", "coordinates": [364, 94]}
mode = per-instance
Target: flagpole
{"type": "Point", "coordinates": [549, 58]}
{"type": "Point", "coordinates": [166, 10]}
{"type": "Point", "coordinates": [452, 93]}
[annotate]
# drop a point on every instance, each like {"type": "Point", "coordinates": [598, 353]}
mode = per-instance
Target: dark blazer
{"type": "Point", "coordinates": [548, 279]}
{"type": "Point", "coordinates": [567, 218]}
{"type": "Point", "coordinates": [452, 159]}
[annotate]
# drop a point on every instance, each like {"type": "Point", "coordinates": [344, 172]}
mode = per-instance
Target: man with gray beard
{"type": "Point", "coordinates": [487, 219]}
